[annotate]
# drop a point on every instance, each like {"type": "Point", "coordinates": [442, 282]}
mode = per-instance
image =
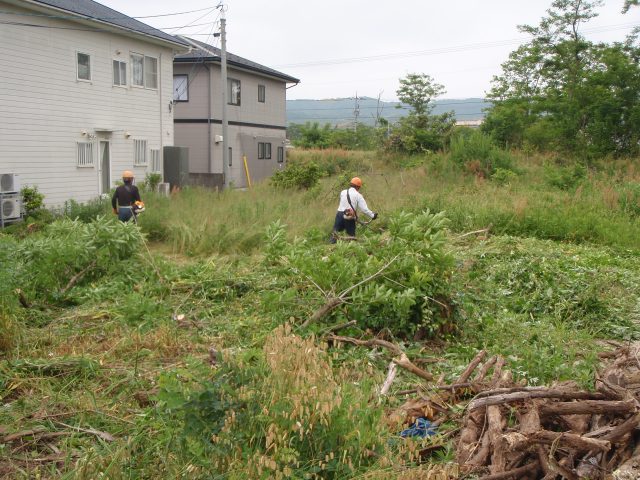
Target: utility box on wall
{"type": "Point", "coordinates": [176, 166]}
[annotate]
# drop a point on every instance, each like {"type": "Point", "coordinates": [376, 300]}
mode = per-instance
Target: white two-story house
{"type": "Point", "coordinates": [85, 93]}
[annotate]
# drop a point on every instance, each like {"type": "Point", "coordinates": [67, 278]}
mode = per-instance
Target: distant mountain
{"type": "Point", "coordinates": [340, 111]}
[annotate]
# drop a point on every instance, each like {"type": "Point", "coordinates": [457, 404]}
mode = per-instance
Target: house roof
{"type": "Point", "coordinates": [90, 10]}
{"type": "Point", "coordinates": [203, 52]}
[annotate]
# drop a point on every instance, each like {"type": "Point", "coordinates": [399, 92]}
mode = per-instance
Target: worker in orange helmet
{"type": "Point", "coordinates": [125, 197]}
{"type": "Point", "coordinates": [351, 201]}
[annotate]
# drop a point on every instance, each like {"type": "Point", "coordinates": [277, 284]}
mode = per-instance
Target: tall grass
{"type": "Point", "coordinates": [601, 208]}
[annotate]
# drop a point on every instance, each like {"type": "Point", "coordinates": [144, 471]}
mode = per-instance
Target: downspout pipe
{"type": "Point", "coordinates": [209, 86]}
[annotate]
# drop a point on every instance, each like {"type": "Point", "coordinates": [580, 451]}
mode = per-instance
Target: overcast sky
{"type": "Point", "coordinates": [340, 47]}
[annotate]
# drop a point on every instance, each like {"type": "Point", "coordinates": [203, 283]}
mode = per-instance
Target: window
{"type": "Point", "coordinates": [119, 73]}
{"type": "Point", "coordinates": [233, 91]}
{"type": "Point", "coordinates": [137, 70]}
{"type": "Point", "coordinates": [84, 66]}
{"type": "Point", "coordinates": [264, 150]}
{"type": "Point", "coordinates": [140, 154]}
{"type": "Point", "coordinates": [280, 154]}
{"type": "Point", "coordinates": [84, 154]}
{"type": "Point", "coordinates": [181, 88]}
{"type": "Point", "coordinates": [261, 93]}
{"type": "Point", "coordinates": [150, 72]}
{"type": "Point", "coordinates": [230, 156]}
{"type": "Point", "coordinates": [154, 154]}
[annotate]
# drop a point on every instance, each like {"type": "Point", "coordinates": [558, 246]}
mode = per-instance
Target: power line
{"type": "Point", "coordinates": [438, 51]}
{"type": "Point", "coordinates": [350, 118]}
{"type": "Point", "coordinates": [75, 17]}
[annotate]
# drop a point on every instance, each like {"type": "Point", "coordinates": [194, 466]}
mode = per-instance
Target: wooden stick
{"type": "Point", "coordinates": [485, 369]}
{"type": "Point", "coordinates": [516, 474]}
{"type": "Point", "coordinates": [334, 302]}
{"type": "Point", "coordinates": [494, 432]}
{"type": "Point", "coordinates": [391, 375]}
{"type": "Point", "coordinates": [587, 407]}
{"type": "Point", "coordinates": [570, 440]}
{"type": "Point", "coordinates": [471, 367]}
{"type": "Point", "coordinates": [77, 277]}
{"type": "Point", "coordinates": [526, 393]}
{"type": "Point", "coordinates": [621, 430]}
{"type": "Point", "coordinates": [404, 362]}
{"type": "Point", "coordinates": [374, 342]}
{"type": "Point", "coordinates": [340, 326]}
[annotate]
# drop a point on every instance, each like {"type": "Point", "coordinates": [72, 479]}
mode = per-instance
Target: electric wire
{"type": "Point", "coordinates": [75, 17]}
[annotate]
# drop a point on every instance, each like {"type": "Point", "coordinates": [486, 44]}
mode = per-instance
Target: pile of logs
{"type": "Point", "coordinates": [511, 431]}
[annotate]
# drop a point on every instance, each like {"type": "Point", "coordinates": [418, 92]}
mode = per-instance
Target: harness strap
{"type": "Point", "coordinates": [355, 214]}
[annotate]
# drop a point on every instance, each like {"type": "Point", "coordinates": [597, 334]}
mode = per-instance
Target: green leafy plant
{"type": "Point", "coordinates": [297, 175]}
{"type": "Point", "coordinates": [32, 200]}
{"type": "Point", "coordinates": [408, 272]}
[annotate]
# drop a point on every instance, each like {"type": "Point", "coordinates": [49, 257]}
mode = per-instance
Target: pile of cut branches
{"type": "Point", "coordinates": [513, 431]}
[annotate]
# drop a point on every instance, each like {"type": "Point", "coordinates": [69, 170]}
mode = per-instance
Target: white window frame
{"type": "Point", "coordinates": [262, 93]}
{"type": "Point", "coordinates": [134, 58]}
{"type": "Point", "coordinates": [260, 150]}
{"type": "Point", "coordinates": [118, 66]}
{"type": "Point", "coordinates": [85, 155]}
{"type": "Point", "coordinates": [267, 151]}
{"type": "Point", "coordinates": [156, 160]}
{"type": "Point", "coordinates": [230, 92]}
{"type": "Point", "coordinates": [148, 75]}
{"type": "Point", "coordinates": [140, 157]}
{"type": "Point", "coordinates": [280, 154]}
{"type": "Point", "coordinates": [183, 94]}
{"type": "Point", "coordinates": [88, 55]}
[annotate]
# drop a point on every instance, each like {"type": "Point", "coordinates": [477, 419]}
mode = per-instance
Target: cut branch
{"type": "Point", "coordinates": [77, 277]}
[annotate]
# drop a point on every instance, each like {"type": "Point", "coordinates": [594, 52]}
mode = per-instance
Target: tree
{"type": "Point", "coordinates": [553, 91]}
{"type": "Point", "coordinates": [418, 91]}
{"type": "Point", "coordinates": [420, 131]}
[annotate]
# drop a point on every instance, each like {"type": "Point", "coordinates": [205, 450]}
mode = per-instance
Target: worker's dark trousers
{"type": "Point", "coordinates": [341, 224]}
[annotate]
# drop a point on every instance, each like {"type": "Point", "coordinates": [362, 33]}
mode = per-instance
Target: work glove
{"type": "Point", "coordinates": [375, 215]}
{"type": "Point", "coordinates": [115, 211]}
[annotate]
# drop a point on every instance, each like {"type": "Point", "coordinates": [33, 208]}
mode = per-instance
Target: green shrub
{"type": "Point", "coordinates": [503, 176]}
{"type": "Point", "coordinates": [87, 212]}
{"type": "Point", "coordinates": [477, 153]}
{"type": "Point", "coordinates": [297, 175]}
{"type": "Point", "coordinates": [412, 295]}
{"type": "Point", "coordinates": [565, 177]}
{"type": "Point", "coordinates": [151, 181]}
{"type": "Point", "coordinates": [32, 200]}
{"type": "Point", "coordinates": [67, 249]}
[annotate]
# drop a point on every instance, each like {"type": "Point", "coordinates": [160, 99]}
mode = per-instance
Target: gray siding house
{"type": "Point", "coordinates": [86, 93]}
{"type": "Point", "coordinates": [256, 113]}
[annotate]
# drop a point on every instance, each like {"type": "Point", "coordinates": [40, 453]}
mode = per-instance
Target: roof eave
{"type": "Point", "coordinates": [239, 66]}
{"type": "Point", "coordinates": [118, 28]}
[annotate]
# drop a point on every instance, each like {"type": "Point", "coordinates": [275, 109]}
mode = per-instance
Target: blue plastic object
{"type": "Point", "coordinates": [421, 428]}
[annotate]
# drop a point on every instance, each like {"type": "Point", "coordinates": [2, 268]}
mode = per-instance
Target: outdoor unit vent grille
{"type": "Point", "coordinates": [10, 207]}
{"type": "Point", "coordinates": [9, 183]}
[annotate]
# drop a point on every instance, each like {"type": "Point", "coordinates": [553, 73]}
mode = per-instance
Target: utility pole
{"type": "Point", "coordinates": [356, 114]}
{"type": "Point", "coordinates": [225, 120]}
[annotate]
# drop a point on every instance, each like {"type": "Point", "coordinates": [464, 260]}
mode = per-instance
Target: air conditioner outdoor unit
{"type": "Point", "coordinates": [9, 183]}
{"type": "Point", "coordinates": [10, 207]}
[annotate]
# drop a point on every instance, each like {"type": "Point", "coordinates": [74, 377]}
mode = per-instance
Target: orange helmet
{"type": "Point", "coordinates": [356, 182]}
{"type": "Point", "coordinates": [127, 174]}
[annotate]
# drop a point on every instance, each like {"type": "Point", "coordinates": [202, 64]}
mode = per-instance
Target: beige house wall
{"type": "Point", "coordinates": [249, 123]}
